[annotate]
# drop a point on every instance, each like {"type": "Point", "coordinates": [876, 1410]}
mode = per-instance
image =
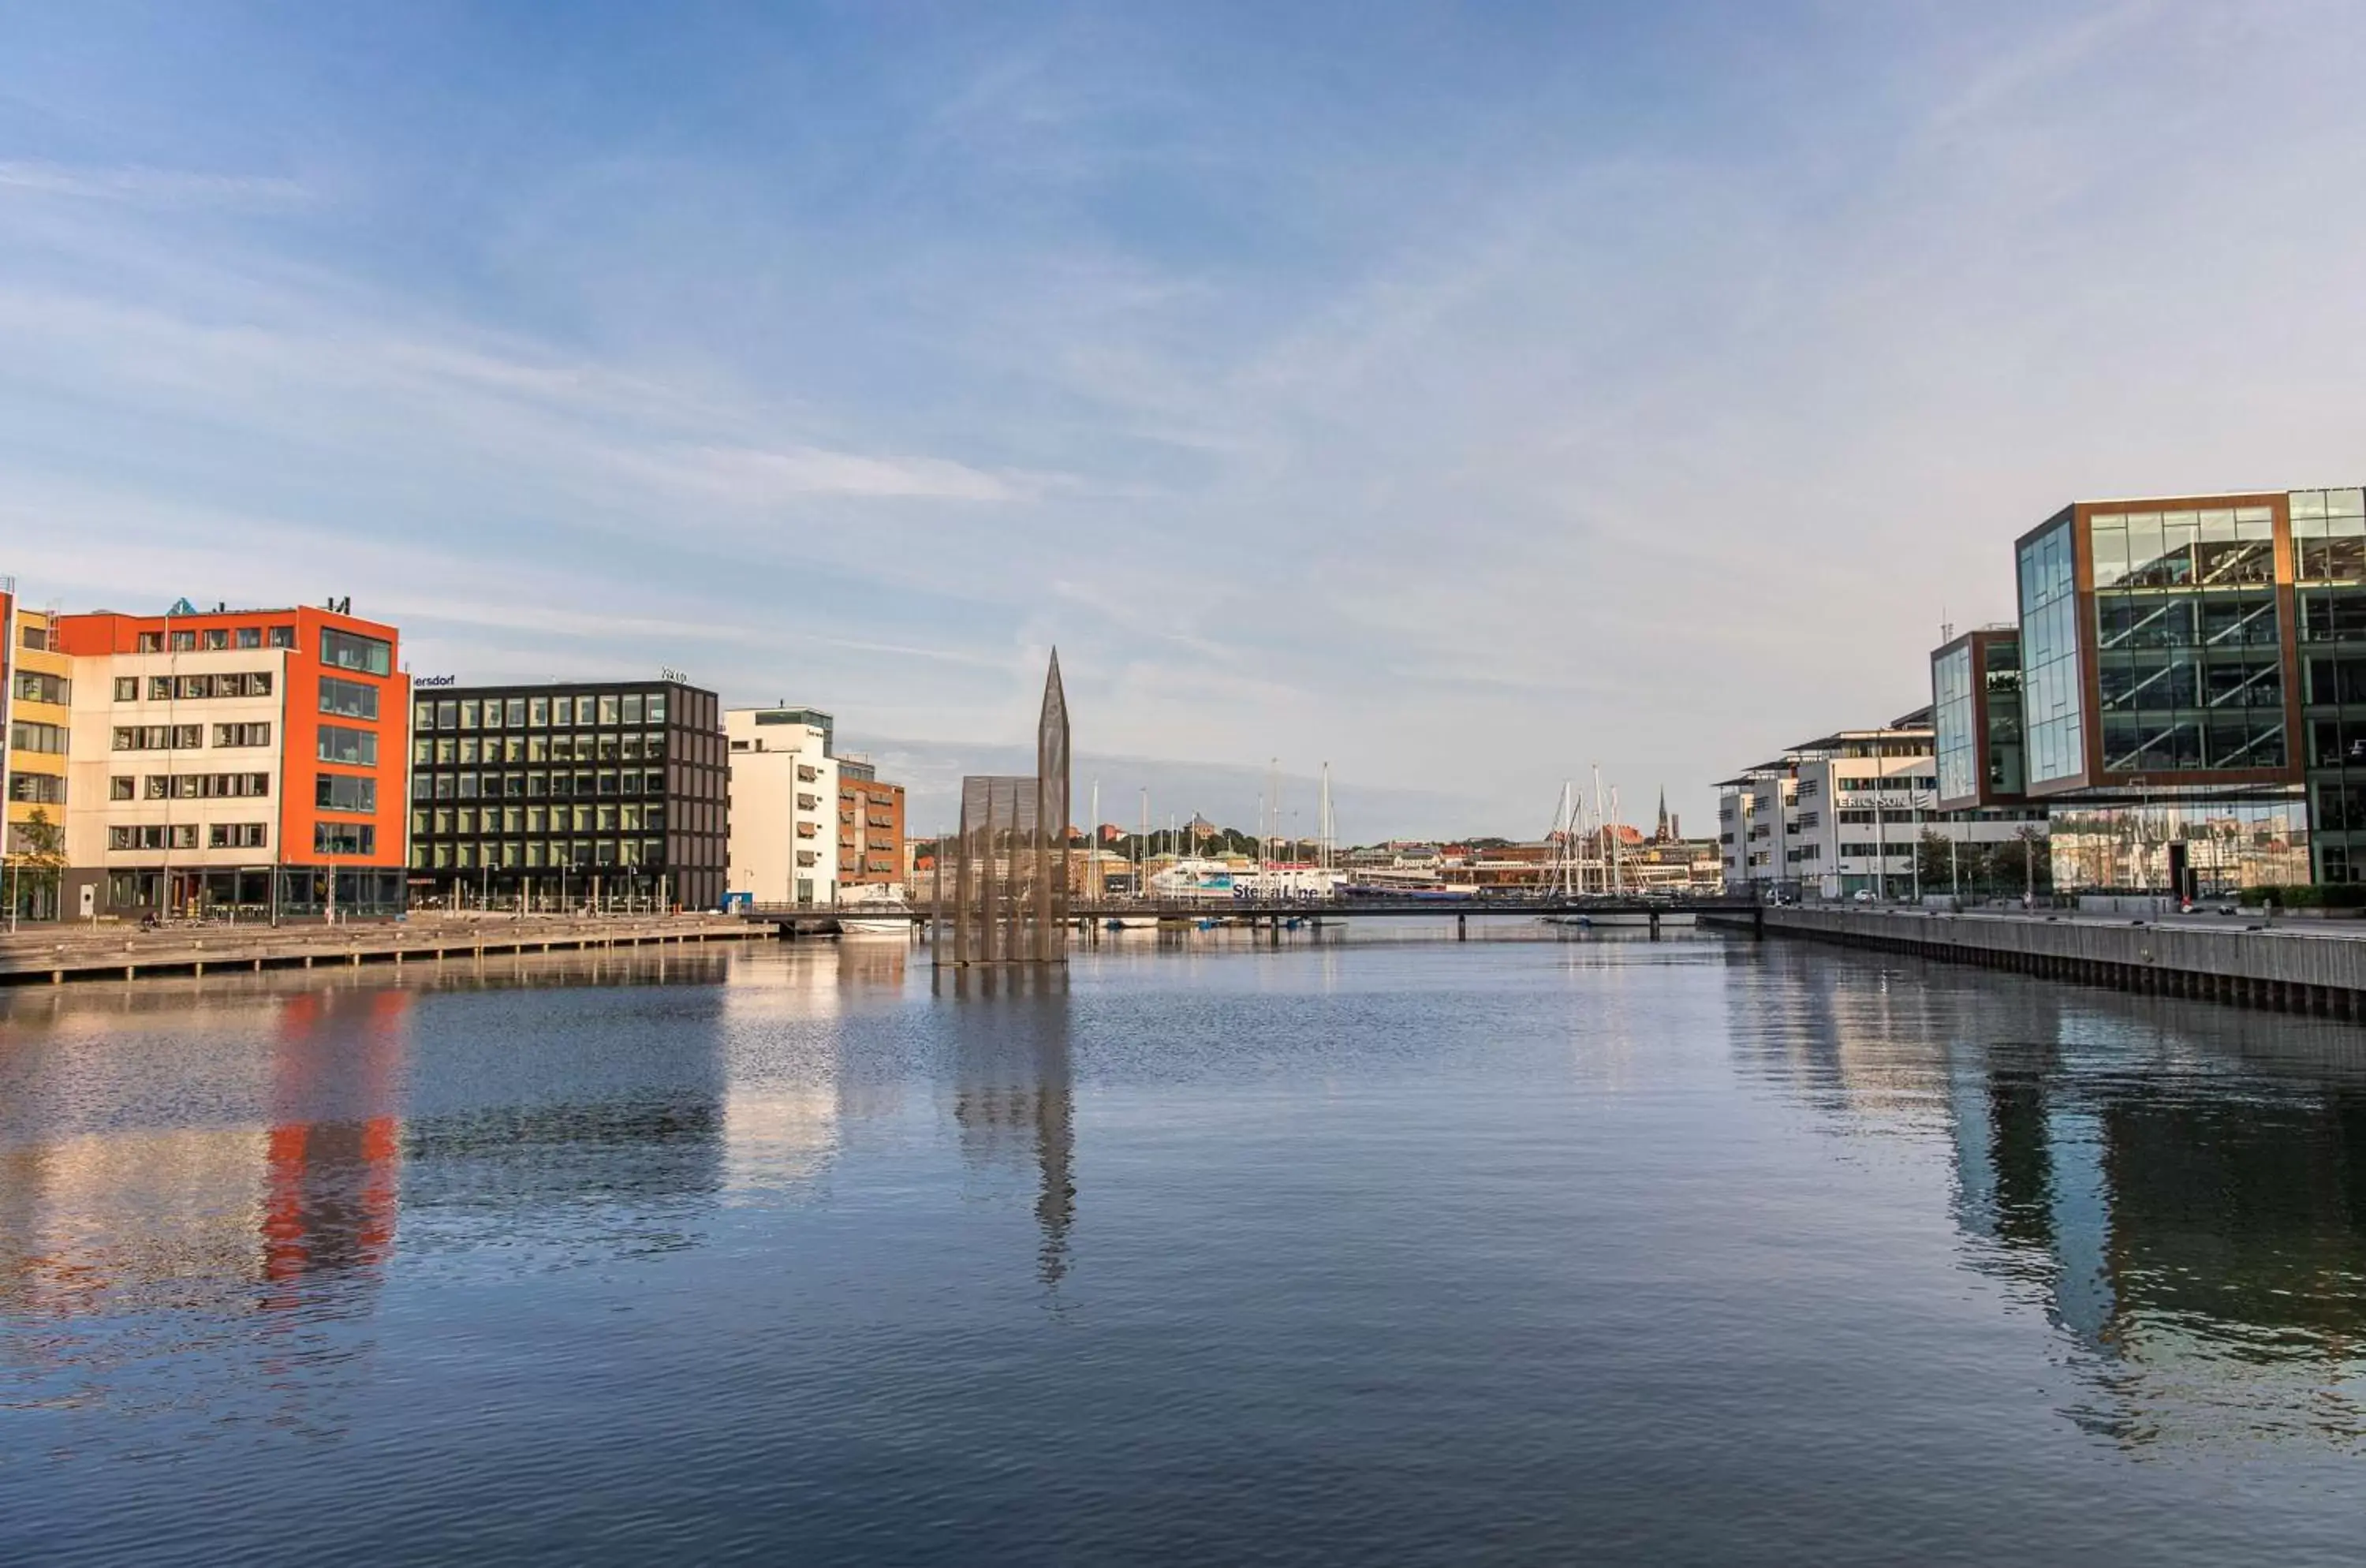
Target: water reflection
{"type": "Point", "coordinates": [1013, 1095]}
{"type": "Point", "coordinates": [127, 1217]}
{"type": "Point", "coordinates": [2181, 1188]}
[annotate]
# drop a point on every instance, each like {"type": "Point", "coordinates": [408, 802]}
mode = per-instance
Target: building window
{"type": "Point", "coordinates": [48, 738]}
{"type": "Point", "coordinates": [120, 786]}
{"type": "Point", "coordinates": [184, 642]}
{"type": "Point", "coordinates": [217, 638]}
{"type": "Point", "coordinates": [345, 791]}
{"type": "Point", "coordinates": [608, 705]}
{"type": "Point", "coordinates": [513, 714]}
{"type": "Point", "coordinates": [235, 836]}
{"type": "Point", "coordinates": [469, 714]}
{"type": "Point", "coordinates": [241, 734]}
{"type": "Point", "coordinates": [127, 688]}
{"type": "Point", "coordinates": [353, 748]}
{"type": "Point", "coordinates": [346, 651]}
{"type": "Point", "coordinates": [348, 699]}
{"type": "Point", "coordinates": [345, 838]}
{"type": "Point", "coordinates": [32, 686]}
{"type": "Point", "coordinates": [250, 637]}
{"type": "Point", "coordinates": [205, 786]}
{"type": "Point", "coordinates": [40, 789]}
{"type": "Point", "coordinates": [152, 642]}
{"type": "Point", "coordinates": [153, 836]}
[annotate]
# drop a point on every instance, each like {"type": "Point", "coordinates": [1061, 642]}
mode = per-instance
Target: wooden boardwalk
{"type": "Point", "coordinates": [58, 953]}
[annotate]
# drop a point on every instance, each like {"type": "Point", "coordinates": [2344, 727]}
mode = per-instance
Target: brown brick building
{"type": "Point", "coordinates": [870, 826]}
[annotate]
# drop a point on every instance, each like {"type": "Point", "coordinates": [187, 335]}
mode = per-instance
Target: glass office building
{"type": "Point", "coordinates": [1976, 707]}
{"type": "Point", "coordinates": [560, 796]}
{"type": "Point", "coordinates": [2328, 553]}
{"type": "Point", "coordinates": [2180, 680]}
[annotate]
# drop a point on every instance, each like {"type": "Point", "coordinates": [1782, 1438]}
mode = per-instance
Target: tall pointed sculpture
{"type": "Point", "coordinates": [1007, 871]}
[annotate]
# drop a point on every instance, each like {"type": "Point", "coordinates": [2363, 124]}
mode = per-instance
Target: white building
{"type": "Point", "coordinates": [1844, 812]}
{"type": "Point", "coordinates": [784, 805]}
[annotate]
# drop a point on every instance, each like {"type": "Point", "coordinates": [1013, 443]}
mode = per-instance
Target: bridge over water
{"type": "Point", "coordinates": [1273, 914]}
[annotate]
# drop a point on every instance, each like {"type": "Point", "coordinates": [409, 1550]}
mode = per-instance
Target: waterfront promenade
{"type": "Point", "coordinates": [2312, 966]}
{"type": "Point", "coordinates": [56, 953]}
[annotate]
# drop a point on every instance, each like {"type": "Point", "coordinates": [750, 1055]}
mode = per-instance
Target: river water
{"type": "Point", "coordinates": [1401, 1250]}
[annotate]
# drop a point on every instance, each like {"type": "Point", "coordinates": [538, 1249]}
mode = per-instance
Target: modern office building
{"type": "Point", "coordinates": [233, 758]}
{"type": "Point", "coordinates": [870, 826]}
{"type": "Point", "coordinates": [784, 805]}
{"type": "Point", "coordinates": [559, 796]}
{"type": "Point", "coordinates": [36, 725]}
{"type": "Point", "coordinates": [1976, 720]}
{"type": "Point", "coordinates": [1847, 811]}
{"type": "Point", "coordinates": [2191, 672]}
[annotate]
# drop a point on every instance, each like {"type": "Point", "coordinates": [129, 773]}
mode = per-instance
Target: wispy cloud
{"type": "Point", "coordinates": [1514, 390]}
{"type": "Point", "coordinates": [142, 186]}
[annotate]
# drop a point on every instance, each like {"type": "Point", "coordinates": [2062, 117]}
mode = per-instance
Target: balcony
{"type": "Point", "coordinates": [808, 829]}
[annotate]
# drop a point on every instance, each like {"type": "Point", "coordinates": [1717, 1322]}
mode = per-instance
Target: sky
{"type": "Point", "coordinates": [1462, 396]}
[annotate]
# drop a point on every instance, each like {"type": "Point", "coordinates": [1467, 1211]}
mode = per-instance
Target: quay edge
{"type": "Point", "coordinates": [2283, 971]}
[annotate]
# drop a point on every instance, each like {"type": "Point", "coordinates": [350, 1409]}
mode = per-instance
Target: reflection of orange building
{"type": "Point", "coordinates": [302, 1208]}
{"type": "Point", "coordinates": [237, 757]}
{"type": "Point", "coordinates": [333, 1183]}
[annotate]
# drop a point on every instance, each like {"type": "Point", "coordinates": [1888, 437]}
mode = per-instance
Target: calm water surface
{"type": "Point", "coordinates": [1397, 1250]}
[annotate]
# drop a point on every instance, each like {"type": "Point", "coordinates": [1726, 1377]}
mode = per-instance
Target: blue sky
{"type": "Point", "coordinates": [1460, 395]}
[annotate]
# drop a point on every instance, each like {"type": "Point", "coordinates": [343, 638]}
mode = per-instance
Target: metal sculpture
{"type": "Point", "coordinates": [1006, 870]}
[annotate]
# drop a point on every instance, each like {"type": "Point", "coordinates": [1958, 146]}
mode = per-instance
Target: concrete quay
{"type": "Point", "coordinates": [55, 954]}
{"type": "Point", "coordinates": [2315, 971]}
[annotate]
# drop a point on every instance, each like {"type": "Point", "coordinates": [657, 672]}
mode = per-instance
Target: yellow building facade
{"type": "Point", "coordinates": [40, 688]}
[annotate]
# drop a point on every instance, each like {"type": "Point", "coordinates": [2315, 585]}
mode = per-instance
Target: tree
{"type": "Point", "coordinates": [2023, 864]}
{"type": "Point", "coordinates": [37, 863]}
{"type": "Point", "coordinates": [1932, 853]}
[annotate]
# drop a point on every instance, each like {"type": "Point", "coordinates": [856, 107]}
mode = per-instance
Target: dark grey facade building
{"type": "Point", "coordinates": [561, 794]}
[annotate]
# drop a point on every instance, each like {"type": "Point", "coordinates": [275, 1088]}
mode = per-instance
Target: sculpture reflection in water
{"type": "Point", "coordinates": [1002, 882]}
{"type": "Point", "coordinates": [1013, 1098]}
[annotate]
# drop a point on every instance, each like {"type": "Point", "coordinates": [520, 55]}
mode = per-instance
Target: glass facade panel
{"type": "Point", "coordinates": [345, 791]}
{"type": "Point", "coordinates": [346, 651]}
{"type": "Point", "coordinates": [1956, 724]}
{"type": "Point", "coordinates": [2228, 845]}
{"type": "Point", "coordinates": [2053, 710]}
{"type": "Point", "coordinates": [354, 748]}
{"type": "Point", "coordinates": [348, 699]}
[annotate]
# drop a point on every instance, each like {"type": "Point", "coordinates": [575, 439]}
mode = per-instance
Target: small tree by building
{"type": "Point", "coordinates": [1931, 855]}
{"type": "Point", "coordinates": [36, 865]}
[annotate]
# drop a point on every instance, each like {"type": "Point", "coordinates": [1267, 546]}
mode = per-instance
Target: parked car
{"type": "Point", "coordinates": [1862, 895]}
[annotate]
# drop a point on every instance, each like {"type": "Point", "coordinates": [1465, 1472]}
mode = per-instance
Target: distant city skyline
{"type": "Point", "coordinates": [1462, 397]}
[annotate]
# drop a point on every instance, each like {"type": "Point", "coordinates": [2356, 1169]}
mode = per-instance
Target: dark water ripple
{"type": "Point", "coordinates": [1600, 1250]}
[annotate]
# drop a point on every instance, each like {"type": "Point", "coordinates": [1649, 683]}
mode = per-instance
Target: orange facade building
{"type": "Point", "coordinates": [253, 759]}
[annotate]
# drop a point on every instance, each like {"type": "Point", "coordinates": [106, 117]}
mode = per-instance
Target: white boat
{"type": "Point", "coordinates": [884, 914]}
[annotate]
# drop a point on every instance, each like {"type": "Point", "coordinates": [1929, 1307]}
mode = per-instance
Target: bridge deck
{"type": "Point", "coordinates": [1298, 909]}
